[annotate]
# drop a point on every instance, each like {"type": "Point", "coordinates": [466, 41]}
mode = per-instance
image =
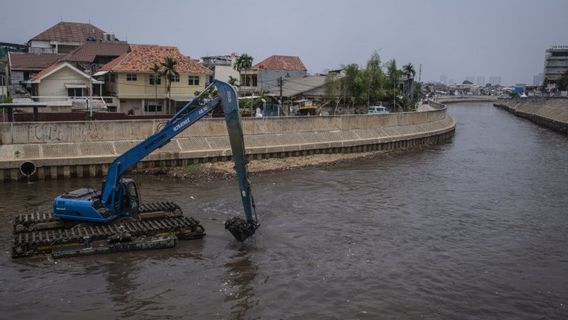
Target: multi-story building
{"type": "Point", "coordinates": [64, 37]}
{"type": "Point", "coordinates": [222, 67]}
{"type": "Point", "coordinates": [555, 62]}
{"type": "Point", "coordinates": [140, 91]}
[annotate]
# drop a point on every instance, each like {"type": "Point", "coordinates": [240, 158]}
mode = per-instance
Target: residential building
{"type": "Point", "coordinates": [139, 91]}
{"type": "Point", "coordinates": [23, 66]}
{"type": "Point", "coordinates": [64, 37]}
{"type": "Point", "coordinates": [555, 62]}
{"type": "Point", "coordinates": [92, 55]}
{"type": "Point", "coordinates": [222, 66]}
{"type": "Point", "coordinates": [63, 81]}
{"type": "Point", "coordinates": [266, 74]}
{"type": "Point", "coordinates": [5, 48]}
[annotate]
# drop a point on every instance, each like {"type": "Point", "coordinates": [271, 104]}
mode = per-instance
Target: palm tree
{"type": "Point", "coordinates": [233, 81]}
{"type": "Point", "coordinates": [409, 72]}
{"type": "Point", "coordinates": [244, 62]}
{"type": "Point", "coordinates": [169, 72]}
{"type": "Point", "coordinates": [155, 68]}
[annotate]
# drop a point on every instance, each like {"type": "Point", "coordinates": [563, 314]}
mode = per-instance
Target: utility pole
{"type": "Point", "coordinates": [281, 100]}
{"type": "Point", "coordinates": [420, 73]}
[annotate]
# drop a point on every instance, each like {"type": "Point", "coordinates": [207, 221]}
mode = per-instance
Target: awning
{"type": "Point", "coordinates": [100, 73]}
{"type": "Point", "coordinates": [75, 86]}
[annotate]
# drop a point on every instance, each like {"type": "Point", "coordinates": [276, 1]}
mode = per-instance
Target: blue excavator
{"type": "Point", "coordinates": [114, 217]}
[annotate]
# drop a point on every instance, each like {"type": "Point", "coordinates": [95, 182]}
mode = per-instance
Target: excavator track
{"type": "Point", "coordinates": [44, 220]}
{"type": "Point", "coordinates": [157, 225]}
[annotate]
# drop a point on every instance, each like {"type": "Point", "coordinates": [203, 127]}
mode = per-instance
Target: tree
{"type": "Point", "coordinates": [233, 81]}
{"type": "Point", "coordinates": [374, 78]}
{"type": "Point", "coordinates": [352, 83]}
{"type": "Point", "coordinates": [331, 87]}
{"type": "Point", "coordinates": [408, 70]}
{"type": "Point", "coordinates": [155, 68]}
{"type": "Point", "coordinates": [467, 82]}
{"type": "Point", "coordinates": [562, 83]}
{"type": "Point", "coordinates": [393, 78]}
{"type": "Point", "coordinates": [409, 73]}
{"type": "Point", "coordinates": [170, 73]}
{"type": "Point", "coordinates": [243, 62]}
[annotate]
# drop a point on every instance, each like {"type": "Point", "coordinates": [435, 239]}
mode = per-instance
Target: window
{"type": "Point", "coordinates": [152, 107]}
{"type": "Point", "coordinates": [131, 77]}
{"type": "Point", "coordinates": [193, 80]}
{"type": "Point", "coordinates": [75, 92]}
{"type": "Point", "coordinates": [175, 78]}
{"type": "Point", "coordinates": [155, 80]}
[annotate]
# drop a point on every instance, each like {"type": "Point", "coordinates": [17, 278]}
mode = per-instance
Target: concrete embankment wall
{"type": "Point", "coordinates": [65, 149]}
{"type": "Point", "coordinates": [460, 99]}
{"type": "Point", "coordinates": [547, 112]}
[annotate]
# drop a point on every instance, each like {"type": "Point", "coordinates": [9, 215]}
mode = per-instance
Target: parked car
{"type": "Point", "coordinates": [377, 110]}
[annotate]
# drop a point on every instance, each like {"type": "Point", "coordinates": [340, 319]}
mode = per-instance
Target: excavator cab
{"type": "Point", "coordinates": [129, 198]}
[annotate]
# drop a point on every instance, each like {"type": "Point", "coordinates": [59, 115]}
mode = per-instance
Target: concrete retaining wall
{"type": "Point", "coordinates": [551, 112]}
{"type": "Point", "coordinates": [64, 149]}
{"type": "Point", "coordinates": [460, 99]}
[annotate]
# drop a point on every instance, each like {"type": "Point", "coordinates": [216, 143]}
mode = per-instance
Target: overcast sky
{"type": "Point", "coordinates": [455, 38]}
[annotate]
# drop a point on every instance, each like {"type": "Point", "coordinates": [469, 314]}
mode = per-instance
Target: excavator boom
{"type": "Point", "coordinates": [119, 196]}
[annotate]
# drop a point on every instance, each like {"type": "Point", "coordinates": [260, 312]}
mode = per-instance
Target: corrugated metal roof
{"type": "Point", "coordinates": [296, 86]}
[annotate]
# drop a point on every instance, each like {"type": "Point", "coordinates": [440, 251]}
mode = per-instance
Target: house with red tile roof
{"type": "Point", "coordinates": [265, 75]}
{"type": "Point", "coordinates": [140, 92]}
{"type": "Point", "coordinates": [65, 36]}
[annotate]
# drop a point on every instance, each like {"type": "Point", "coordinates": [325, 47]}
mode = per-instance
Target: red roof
{"type": "Point", "coordinates": [46, 71]}
{"type": "Point", "coordinates": [70, 32]}
{"type": "Point", "coordinates": [32, 61]}
{"type": "Point", "coordinates": [142, 57]}
{"type": "Point", "coordinates": [287, 63]}
{"type": "Point", "coordinates": [90, 50]}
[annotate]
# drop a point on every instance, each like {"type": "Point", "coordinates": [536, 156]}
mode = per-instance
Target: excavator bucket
{"type": "Point", "coordinates": [239, 228]}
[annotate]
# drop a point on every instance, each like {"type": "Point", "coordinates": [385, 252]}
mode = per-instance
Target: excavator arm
{"type": "Point", "coordinates": [111, 191]}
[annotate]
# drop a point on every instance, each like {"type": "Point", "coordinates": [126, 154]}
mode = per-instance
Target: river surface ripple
{"type": "Point", "coordinates": [473, 229]}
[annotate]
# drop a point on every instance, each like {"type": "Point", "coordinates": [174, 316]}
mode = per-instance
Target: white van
{"type": "Point", "coordinates": [377, 110]}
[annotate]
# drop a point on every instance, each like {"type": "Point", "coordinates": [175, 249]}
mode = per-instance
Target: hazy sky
{"type": "Point", "coordinates": [457, 38]}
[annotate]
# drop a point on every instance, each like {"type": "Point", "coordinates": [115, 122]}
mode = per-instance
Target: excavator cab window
{"type": "Point", "coordinates": [133, 198]}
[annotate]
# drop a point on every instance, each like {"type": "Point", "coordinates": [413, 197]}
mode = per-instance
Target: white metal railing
{"type": "Point", "coordinates": [105, 99]}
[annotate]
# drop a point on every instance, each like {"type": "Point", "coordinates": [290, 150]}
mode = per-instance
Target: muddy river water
{"type": "Point", "coordinates": [473, 229]}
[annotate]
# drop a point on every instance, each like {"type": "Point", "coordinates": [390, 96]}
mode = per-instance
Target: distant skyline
{"type": "Point", "coordinates": [457, 39]}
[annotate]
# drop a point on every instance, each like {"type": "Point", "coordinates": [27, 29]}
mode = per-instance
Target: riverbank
{"type": "Point", "coordinates": [85, 149]}
{"type": "Point", "coordinates": [551, 113]}
{"type": "Point", "coordinates": [212, 171]}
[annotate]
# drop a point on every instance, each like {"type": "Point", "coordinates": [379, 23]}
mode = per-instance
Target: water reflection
{"type": "Point", "coordinates": [239, 276]}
